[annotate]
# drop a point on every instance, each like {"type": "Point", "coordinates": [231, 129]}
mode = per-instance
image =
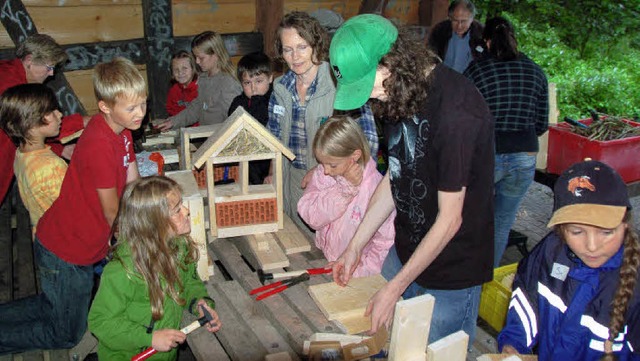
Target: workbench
{"type": "Point", "coordinates": [253, 329]}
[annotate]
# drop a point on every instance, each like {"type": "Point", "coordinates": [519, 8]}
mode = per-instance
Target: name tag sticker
{"type": "Point", "coordinates": [559, 271]}
{"type": "Point", "coordinates": [278, 109]}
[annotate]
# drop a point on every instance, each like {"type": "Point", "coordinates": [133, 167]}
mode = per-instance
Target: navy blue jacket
{"type": "Point", "coordinates": [562, 306]}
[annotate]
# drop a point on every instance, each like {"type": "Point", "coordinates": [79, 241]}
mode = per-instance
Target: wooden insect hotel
{"type": "Point", "coordinates": [239, 208]}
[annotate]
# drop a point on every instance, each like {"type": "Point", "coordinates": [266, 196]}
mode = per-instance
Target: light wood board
{"type": "Point", "coordinates": [291, 239]}
{"type": "Point", "coordinates": [449, 348]}
{"type": "Point", "coordinates": [411, 325]}
{"type": "Point", "coordinates": [262, 250]}
{"type": "Point", "coordinates": [347, 304]}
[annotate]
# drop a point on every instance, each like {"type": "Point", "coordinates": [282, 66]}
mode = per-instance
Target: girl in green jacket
{"type": "Point", "coordinates": [152, 277]}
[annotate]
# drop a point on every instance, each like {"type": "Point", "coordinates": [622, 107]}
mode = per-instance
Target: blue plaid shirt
{"type": "Point", "coordinates": [297, 136]}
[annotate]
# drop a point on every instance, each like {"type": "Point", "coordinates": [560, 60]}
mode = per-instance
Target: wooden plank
{"type": "Point", "coordinates": [450, 348]}
{"type": "Point", "coordinates": [543, 140]}
{"type": "Point", "coordinates": [410, 332]}
{"type": "Point", "coordinates": [250, 229]}
{"type": "Point", "coordinates": [280, 356]}
{"type": "Point", "coordinates": [258, 330]}
{"type": "Point", "coordinates": [347, 304]}
{"type": "Point", "coordinates": [507, 357]}
{"type": "Point", "coordinates": [193, 201]}
{"type": "Point", "coordinates": [88, 55]}
{"type": "Point", "coordinates": [262, 251]}
{"type": "Point", "coordinates": [281, 315]}
{"type": "Point", "coordinates": [212, 349]}
{"type": "Point", "coordinates": [291, 239]}
{"type": "Point", "coordinates": [91, 24]}
{"type": "Point", "coordinates": [222, 16]}
{"type": "Point", "coordinates": [233, 192]}
{"type": "Point", "coordinates": [346, 8]}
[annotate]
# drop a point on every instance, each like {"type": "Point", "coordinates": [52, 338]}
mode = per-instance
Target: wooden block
{"type": "Point", "coordinates": [450, 348]}
{"type": "Point", "coordinates": [268, 259]}
{"type": "Point", "coordinates": [347, 304]}
{"type": "Point", "coordinates": [280, 356]}
{"type": "Point", "coordinates": [410, 330]}
{"type": "Point", "coordinates": [193, 200]}
{"type": "Point", "coordinates": [237, 231]}
{"type": "Point", "coordinates": [291, 239]}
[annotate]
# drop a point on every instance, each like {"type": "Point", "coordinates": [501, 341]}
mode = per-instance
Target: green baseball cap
{"type": "Point", "coordinates": [355, 51]}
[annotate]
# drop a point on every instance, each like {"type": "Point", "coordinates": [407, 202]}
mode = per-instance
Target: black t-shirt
{"type": "Point", "coordinates": [447, 146]}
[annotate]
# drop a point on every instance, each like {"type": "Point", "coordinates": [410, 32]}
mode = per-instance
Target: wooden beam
{"type": "Point", "coordinates": [158, 33]}
{"type": "Point", "coordinates": [269, 13]}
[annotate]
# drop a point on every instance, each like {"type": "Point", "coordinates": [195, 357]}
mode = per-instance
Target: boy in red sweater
{"type": "Point", "coordinates": [75, 232]}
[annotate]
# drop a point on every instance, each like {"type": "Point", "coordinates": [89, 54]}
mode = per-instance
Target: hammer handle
{"type": "Point", "coordinates": [310, 271]}
{"type": "Point", "coordinates": [150, 351]}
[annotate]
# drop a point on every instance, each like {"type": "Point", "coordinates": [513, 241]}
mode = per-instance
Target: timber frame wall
{"type": "Point", "coordinates": [149, 31]}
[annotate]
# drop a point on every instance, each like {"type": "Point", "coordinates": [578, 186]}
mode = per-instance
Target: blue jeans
{"type": "Point", "coordinates": [513, 175]}
{"type": "Point", "coordinates": [55, 318]}
{"type": "Point", "coordinates": [453, 311]}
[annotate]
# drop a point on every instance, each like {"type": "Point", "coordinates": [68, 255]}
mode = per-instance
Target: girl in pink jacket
{"type": "Point", "coordinates": [338, 193]}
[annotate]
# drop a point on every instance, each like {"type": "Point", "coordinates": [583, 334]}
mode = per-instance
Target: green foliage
{"type": "Point", "coordinates": [585, 47]}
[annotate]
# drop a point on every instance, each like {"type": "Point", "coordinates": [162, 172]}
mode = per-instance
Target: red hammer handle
{"type": "Point", "coordinates": [144, 354]}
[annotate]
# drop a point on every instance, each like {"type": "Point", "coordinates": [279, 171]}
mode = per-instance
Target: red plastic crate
{"type": "Point", "coordinates": [567, 148]}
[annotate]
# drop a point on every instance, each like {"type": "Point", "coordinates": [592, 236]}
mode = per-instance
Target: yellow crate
{"type": "Point", "coordinates": [495, 297]}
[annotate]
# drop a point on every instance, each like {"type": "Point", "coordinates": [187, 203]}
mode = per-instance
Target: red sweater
{"type": "Point", "coordinates": [179, 97]}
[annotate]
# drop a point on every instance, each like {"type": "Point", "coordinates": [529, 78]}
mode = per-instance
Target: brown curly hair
{"type": "Point", "coordinates": [309, 29]}
{"type": "Point", "coordinates": [409, 63]}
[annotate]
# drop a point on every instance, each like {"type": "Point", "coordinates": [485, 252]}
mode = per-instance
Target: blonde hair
{"type": "Point", "coordinates": [118, 78]}
{"type": "Point", "coordinates": [144, 223]}
{"type": "Point", "coordinates": [339, 137]}
{"type": "Point", "coordinates": [42, 48]}
{"type": "Point", "coordinates": [628, 279]}
{"type": "Point", "coordinates": [210, 43]}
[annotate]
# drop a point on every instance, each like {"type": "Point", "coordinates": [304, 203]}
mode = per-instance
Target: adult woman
{"type": "Point", "coordinates": [303, 98]}
{"type": "Point", "coordinates": [440, 175]}
{"type": "Point", "coordinates": [515, 89]}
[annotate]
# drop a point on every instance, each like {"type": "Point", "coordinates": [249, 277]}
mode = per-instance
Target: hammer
{"type": "Point", "coordinates": [186, 330]}
{"type": "Point", "coordinates": [274, 276]}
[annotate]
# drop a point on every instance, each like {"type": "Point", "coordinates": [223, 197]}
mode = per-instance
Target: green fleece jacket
{"type": "Point", "coordinates": [121, 311]}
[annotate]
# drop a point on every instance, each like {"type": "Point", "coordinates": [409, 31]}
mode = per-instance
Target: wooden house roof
{"type": "Point", "coordinates": [240, 130]}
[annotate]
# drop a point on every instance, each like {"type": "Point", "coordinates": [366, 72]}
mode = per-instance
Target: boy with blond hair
{"type": "Point", "coordinates": [75, 232]}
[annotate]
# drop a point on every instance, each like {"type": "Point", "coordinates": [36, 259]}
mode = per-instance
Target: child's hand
{"type": "Point", "coordinates": [162, 124]}
{"type": "Point", "coordinates": [353, 174]}
{"type": "Point", "coordinates": [166, 339]}
{"type": "Point", "coordinates": [307, 177]}
{"type": "Point", "coordinates": [213, 325]}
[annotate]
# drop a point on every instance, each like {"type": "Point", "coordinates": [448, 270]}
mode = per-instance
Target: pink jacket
{"type": "Point", "coordinates": [335, 208]}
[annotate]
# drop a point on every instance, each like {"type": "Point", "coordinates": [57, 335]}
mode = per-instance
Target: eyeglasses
{"type": "Point", "coordinates": [460, 21]}
{"type": "Point", "coordinates": [50, 67]}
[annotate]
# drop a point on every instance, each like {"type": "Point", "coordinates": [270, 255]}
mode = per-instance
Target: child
{"type": "Point", "coordinates": [185, 87]}
{"type": "Point", "coordinates": [29, 115]}
{"type": "Point", "coordinates": [576, 297]}
{"type": "Point", "coordinates": [217, 84]}
{"type": "Point", "coordinates": [75, 232]}
{"type": "Point", "coordinates": [337, 196]}
{"type": "Point", "coordinates": [152, 276]}
{"type": "Point", "coordinates": [256, 76]}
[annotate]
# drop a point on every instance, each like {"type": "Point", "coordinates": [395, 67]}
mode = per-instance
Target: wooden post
{"type": "Point", "coordinates": [269, 13]}
{"type": "Point", "coordinates": [158, 33]}
{"type": "Point", "coordinates": [543, 140]}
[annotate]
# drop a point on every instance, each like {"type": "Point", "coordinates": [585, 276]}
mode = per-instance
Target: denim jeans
{"type": "Point", "coordinates": [453, 311]}
{"type": "Point", "coordinates": [55, 318]}
{"type": "Point", "coordinates": [513, 175]}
